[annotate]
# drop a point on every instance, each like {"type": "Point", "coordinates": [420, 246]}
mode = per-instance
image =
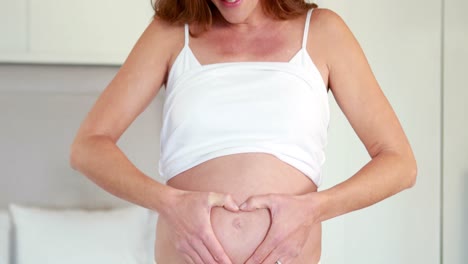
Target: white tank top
{"type": "Point", "coordinates": [279, 108]}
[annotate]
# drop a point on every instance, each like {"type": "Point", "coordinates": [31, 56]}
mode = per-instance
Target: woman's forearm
{"type": "Point", "coordinates": [385, 175]}
{"type": "Point", "coordinates": [102, 161]}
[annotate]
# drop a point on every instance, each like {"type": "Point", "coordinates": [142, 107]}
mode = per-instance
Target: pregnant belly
{"type": "Point", "coordinates": [242, 175]}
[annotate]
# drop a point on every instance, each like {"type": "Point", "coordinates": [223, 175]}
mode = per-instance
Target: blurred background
{"type": "Point", "coordinates": [57, 56]}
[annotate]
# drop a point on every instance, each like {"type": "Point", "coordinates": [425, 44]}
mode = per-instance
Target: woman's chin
{"type": "Point", "coordinates": [234, 20]}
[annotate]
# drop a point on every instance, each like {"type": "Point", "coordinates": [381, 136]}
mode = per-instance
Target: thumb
{"type": "Point", "coordinates": [256, 202]}
{"type": "Point", "coordinates": [223, 200]}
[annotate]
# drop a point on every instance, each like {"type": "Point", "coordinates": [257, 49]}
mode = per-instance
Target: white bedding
{"type": "Point", "coordinates": [53, 229]}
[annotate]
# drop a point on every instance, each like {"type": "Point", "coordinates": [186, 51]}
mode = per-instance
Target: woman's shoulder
{"type": "Point", "coordinates": [165, 29]}
{"type": "Point", "coordinates": [166, 36]}
{"type": "Point", "coordinates": [327, 19]}
{"type": "Point", "coordinates": [330, 27]}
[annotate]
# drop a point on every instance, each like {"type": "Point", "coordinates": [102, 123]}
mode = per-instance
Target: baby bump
{"type": "Point", "coordinates": [242, 176]}
{"type": "Point", "coordinates": [238, 233]}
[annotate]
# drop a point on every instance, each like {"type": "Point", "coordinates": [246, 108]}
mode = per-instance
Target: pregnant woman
{"type": "Point", "coordinates": [245, 122]}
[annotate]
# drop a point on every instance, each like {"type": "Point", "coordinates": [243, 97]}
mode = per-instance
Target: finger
{"type": "Point", "coordinates": [277, 254]}
{"type": "Point", "coordinates": [256, 202]}
{"type": "Point", "coordinates": [203, 252]}
{"type": "Point", "coordinates": [217, 251]}
{"type": "Point", "coordinates": [193, 254]}
{"type": "Point", "coordinates": [187, 259]}
{"type": "Point", "coordinates": [223, 200]}
{"type": "Point", "coordinates": [264, 249]}
{"type": "Point", "coordinates": [283, 260]}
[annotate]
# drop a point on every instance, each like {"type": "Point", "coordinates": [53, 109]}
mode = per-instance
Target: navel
{"type": "Point", "coordinates": [237, 223]}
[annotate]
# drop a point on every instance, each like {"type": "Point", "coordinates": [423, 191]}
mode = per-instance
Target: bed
{"type": "Point", "coordinates": [53, 235]}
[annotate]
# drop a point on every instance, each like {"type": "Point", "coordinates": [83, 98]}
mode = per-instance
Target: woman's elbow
{"type": "Point", "coordinates": [412, 173]}
{"type": "Point", "coordinates": [74, 155]}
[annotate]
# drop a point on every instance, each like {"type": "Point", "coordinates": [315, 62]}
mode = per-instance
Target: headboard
{"type": "Point", "coordinates": [40, 114]}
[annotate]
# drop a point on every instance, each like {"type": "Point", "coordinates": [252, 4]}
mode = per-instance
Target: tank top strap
{"type": "Point", "coordinates": [306, 28]}
{"type": "Point", "coordinates": [187, 34]}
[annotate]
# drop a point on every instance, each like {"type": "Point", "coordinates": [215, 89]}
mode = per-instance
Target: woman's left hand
{"type": "Point", "coordinates": [292, 217]}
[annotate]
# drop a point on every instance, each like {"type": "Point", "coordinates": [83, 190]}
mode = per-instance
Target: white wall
{"type": "Point", "coordinates": [455, 151]}
{"type": "Point", "coordinates": [402, 43]}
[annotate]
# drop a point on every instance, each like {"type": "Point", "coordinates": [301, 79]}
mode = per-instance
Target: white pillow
{"type": "Point", "coordinates": [4, 237]}
{"type": "Point", "coordinates": [79, 236]}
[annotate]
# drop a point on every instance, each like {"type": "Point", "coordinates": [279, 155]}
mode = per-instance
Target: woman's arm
{"type": "Point", "coordinates": [94, 151]}
{"type": "Point", "coordinates": [393, 166]}
{"type": "Point", "coordinates": [391, 170]}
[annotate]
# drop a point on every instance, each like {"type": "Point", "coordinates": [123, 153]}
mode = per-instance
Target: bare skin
{"type": "Point", "coordinates": [241, 175]}
{"type": "Point", "coordinates": [200, 221]}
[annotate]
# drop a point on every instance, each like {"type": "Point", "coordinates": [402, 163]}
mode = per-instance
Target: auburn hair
{"type": "Point", "coordinates": [201, 12]}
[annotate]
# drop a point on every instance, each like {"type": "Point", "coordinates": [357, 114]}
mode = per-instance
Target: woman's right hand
{"type": "Point", "coordinates": [188, 214]}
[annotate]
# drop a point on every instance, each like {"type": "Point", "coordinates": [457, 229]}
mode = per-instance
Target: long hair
{"type": "Point", "coordinates": [202, 11]}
